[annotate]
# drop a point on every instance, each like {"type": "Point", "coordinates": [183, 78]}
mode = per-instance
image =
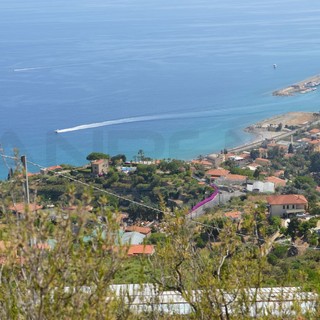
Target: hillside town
{"type": "Point", "coordinates": [267, 196]}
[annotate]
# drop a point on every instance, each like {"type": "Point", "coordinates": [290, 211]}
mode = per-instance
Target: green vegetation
{"type": "Point", "coordinates": [97, 155]}
{"type": "Point", "coordinates": [44, 252]}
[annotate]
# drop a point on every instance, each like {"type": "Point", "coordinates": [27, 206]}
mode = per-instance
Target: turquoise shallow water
{"type": "Point", "coordinates": [188, 75]}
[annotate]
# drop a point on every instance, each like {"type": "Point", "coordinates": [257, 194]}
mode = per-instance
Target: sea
{"type": "Point", "coordinates": [176, 79]}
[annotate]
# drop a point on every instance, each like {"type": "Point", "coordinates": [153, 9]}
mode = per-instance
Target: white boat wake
{"type": "Point", "coordinates": [29, 69]}
{"type": "Point", "coordinates": [128, 120]}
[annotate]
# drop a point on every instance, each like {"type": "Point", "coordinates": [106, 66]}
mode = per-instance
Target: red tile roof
{"type": "Point", "coordinates": [314, 131]}
{"type": "Point", "coordinates": [99, 161]}
{"type": "Point", "coordinates": [278, 173]}
{"type": "Point", "coordinates": [53, 168]}
{"type": "Point", "coordinates": [253, 164]}
{"type": "Point", "coordinates": [43, 246]}
{"type": "Point", "coordinates": [202, 162]}
{"type": "Point", "coordinates": [217, 172]}
{"type": "Point", "coordinates": [314, 142]}
{"type": "Point", "coordinates": [288, 155]}
{"type": "Point", "coordinates": [233, 214]}
{"type": "Point", "coordinates": [277, 181]}
{"type": "Point", "coordinates": [141, 249]}
{"type": "Point", "coordinates": [24, 208]}
{"type": "Point", "coordinates": [237, 177]}
{"type": "Point", "coordinates": [143, 230]}
{"type": "Point", "coordinates": [287, 199]}
{"type": "Point", "coordinates": [263, 161]}
{"type": "Point", "coordinates": [245, 155]}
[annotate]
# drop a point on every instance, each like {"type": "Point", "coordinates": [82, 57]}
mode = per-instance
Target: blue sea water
{"type": "Point", "coordinates": [181, 78]}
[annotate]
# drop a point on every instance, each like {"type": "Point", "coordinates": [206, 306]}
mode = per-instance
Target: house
{"type": "Point", "coordinates": [50, 169]}
{"type": "Point", "coordinates": [216, 173]}
{"type": "Point", "coordinates": [314, 131]}
{"type": "Point", "coordinates": [238, 161]}
{"type": "Point", "coordinates": [287, 204]}
{"type": "Point", "coordinates": [143, 230]}
{"type": "Point", "coordinates": [235, 179]}
{"type": "Point", "coordinates": [263, 152]}
{"type": "Point", "coordinates": [140, 249]}
{"type": "Point", "coordinates": [235, 216]}
{"type": "Point", "coordinates": [260, 187]}
{"type": "Point", "coordinates": [263, 162]}
{"type": "Point", "coordinates": [21, 208]}
{"type": "Point", "coordinates": [253, 166]}
{"type": "Point", "coordinates": [133, 238]}
{"type": "Point", "coordinates": [99, 167]}
{"type": "Point", "coordinates": [205, 163]}
{"type": "Point", "coordinates": [278, 182]}
{"type": "Point", "coordinates": [278, 173]}
{"type": "Point", "coordinates": [314, 145]}
{"type": "Point", "coordinates": [216, 159]}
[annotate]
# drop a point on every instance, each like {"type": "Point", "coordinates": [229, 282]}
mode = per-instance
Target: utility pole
{"type": "Point", "coordinates": [26, 186]}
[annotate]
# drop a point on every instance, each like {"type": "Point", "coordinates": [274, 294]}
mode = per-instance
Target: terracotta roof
{"type": "Point", "coordinates": [43, 246]}
{"type": "Point", "coordinates": [202, 162]}
{"type": "Point", "coordinates": [244, 155]}
{"type": "Point", "coordinates": [253, 164]}
{"type": "Point", "coordinates": [288, 155]}
{"type": "Point", "coordinates": [53, 168]}
{"type": "Point", "coordinates": [217, 172]}
{"type": "Point", "coordinates": [141, 249]}
{"type": "Point", "coordinates": [314, 131]}
{"type": "Point", "coordinates": [23, 207]}
{"type": "Point", "coordinates": [278, 173]}
{"type": "Point", "coordinates": [262, 160]}
{"type": "Point", "coordinates": [277, 181]}
{"type": "Point", "coordinates": [314, 142]}
{"type": "Point", "coordinates": [233, 214]}
{"type": "Point", "coordinates": [287, 199]}
{"type": "Point", "coordinates": [143, 230]}
{"type": "Point", "coordinates": [237, 177]}
{"type": "Point", "coordinates": [99, 161]}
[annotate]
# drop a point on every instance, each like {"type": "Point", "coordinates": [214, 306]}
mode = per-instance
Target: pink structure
{"type": "Point", "coordinates": [203, 202]}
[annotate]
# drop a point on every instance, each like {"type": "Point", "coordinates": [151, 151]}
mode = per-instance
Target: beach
{"type": "Point", "coordinates": [261, 130]}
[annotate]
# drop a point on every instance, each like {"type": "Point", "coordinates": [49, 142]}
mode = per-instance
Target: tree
{"type": "Point", "coordinates": [315, 162]}
{"type": "Point", "coordinates": [140, 155]}
{"type": "Point", "coordinates": [97, 155]}
{"type": "Point", "coordinates": [279, 127]}
{"type": "Point", "coordinates": [64, 278]}
{"type": "Point", "coordinates": [293, 228]}
{"type": "Point", "coordinates": [257, 173]}
{"type": "Point", "coordinates": [213, 270]}
{"type": "Point", "coordinates": [254, 154]}
{"type": "Point", "coordinates": [290, 149]}
{"type": "Point", "coordinates": [119, 158]}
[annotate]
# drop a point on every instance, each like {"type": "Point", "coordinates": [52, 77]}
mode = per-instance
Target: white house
{"type": "Point", "coordinates": [287, 204]}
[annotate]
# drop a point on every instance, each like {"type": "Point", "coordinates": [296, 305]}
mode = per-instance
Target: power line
{"type": "Point", "coordinates": [90, 185]}
{"type": "Point", "coordinates": [141, 204]}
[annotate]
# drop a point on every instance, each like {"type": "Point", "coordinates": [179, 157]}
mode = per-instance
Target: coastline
{"type": "Point", "coordinates": [260, 131]}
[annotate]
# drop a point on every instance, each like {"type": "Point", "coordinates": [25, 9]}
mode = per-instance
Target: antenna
{"type": "Point", "coordinates": [24, 163]}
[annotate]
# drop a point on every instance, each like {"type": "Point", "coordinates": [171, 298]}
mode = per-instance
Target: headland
{"type": "Point", "coordinates": [304, 86]}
